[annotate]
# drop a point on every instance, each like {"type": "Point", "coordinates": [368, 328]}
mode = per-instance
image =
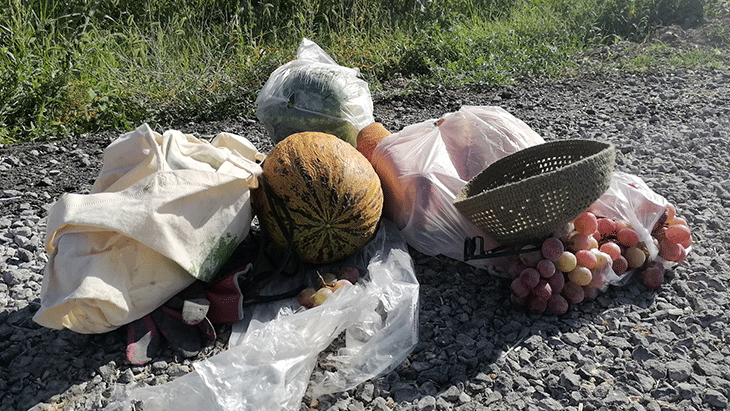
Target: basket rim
{"type": "Point", "coordinates": [588, 160]}
{"type": "Point", "coordinates": [466, 192]}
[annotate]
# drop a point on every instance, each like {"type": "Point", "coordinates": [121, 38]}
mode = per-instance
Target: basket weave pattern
{"type": "Point", "coordinates": [535, 191]}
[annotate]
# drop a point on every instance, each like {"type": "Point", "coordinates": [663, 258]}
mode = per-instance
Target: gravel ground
{"type": "Point", "coordinates": [631, 348]}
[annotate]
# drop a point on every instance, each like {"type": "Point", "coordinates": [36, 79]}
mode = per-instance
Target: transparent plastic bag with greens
{"type": "Point", "coordinates": [314, 93]}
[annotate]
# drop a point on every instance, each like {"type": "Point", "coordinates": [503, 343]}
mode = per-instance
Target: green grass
{"type": "Point", "coordinates": [662, 55]}
{"type": "Point", "coordinates": [70, 67]}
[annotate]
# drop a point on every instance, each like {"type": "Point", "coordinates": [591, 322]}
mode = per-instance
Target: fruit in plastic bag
{"type": "Point", "coordinates": [369, 137]}
{"type": "Point", "coordinates": [620, 249]}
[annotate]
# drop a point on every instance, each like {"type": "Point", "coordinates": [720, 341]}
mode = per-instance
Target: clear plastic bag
{"type": "Point", "coordinates": [629, 199]}
{"type": "Point", "coordinates": [269, 365]}
{"type": "Point", "coordinates": [424, 166]}
{"type": "Point", "coordinates": [314, 93]}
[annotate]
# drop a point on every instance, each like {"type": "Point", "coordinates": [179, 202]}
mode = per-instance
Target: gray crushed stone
{"type": "Point", "coordinates": [632, 348]}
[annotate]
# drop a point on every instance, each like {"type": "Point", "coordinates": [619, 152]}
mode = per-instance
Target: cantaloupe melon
{"type": "Point", "coordinates": [322, 194]}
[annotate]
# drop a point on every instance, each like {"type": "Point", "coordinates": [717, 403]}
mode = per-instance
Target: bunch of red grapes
{"type": "Point", "coordinates": [672, 236]}
{"type": "Point", "coordinates": [576, 266]}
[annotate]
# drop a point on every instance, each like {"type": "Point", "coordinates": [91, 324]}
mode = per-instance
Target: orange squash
{"type": "Point", "coordinates": [369, 137]}
{"type": "Point", "coordinates": [321, 193]}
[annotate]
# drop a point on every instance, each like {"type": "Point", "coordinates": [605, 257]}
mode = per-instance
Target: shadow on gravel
{"type": "Point", "coordinates": [38, 363]}
{"type": "Point", "coordinates": [472, 337]}
{"type": "Point", "coordinates": [66, 370]}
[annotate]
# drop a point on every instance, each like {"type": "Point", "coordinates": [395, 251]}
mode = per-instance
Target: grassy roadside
{"type": "Point", "coordinates": [69, 67]}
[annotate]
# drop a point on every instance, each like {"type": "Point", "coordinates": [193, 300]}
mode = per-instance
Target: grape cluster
{"type": "Point", "coordinates": [327, 284]}
{"type": "Point", "coordinates": [673, 237]}
{"type": "Point", "coordinates": [575, 266]}
{"type": "Point", "coordinates": [560, 272]}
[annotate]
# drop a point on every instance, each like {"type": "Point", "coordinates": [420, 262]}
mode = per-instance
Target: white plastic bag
{"type": "Point", "coordinates": [424, 166]}
{"type": "Point", "coordinates": [314, 93]}
{"type": "Point", "coordinates": [268, 366]}
{"type": "Point", "coordinates": [165, 210]}
{"type": "Point", "coordinates": [629, 199]}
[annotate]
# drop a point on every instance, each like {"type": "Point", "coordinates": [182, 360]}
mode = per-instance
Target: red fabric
{"type": "Point", "coordinates": [226, 298]}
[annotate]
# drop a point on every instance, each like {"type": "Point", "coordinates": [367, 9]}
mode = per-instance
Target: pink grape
{"type": "Point", "coordinates": [635, 257]}
{"type": "Point", "coordinates": [580, 241]}
{"type": "Point", "coordinates": [669, 251]}
{"type": "Point", "coordinates": [566, 262]}
{"type": "Point", "coordinates": [350, 274]}
{"type": "Point", "coordinates": [590, 293]}
{"type": "Point", "coordinates": [677, 221]}
{"type": "Point", "coordinates": [341, 283]}
{"type": "Point", "coordinates": [677, 233]}
{"type": "Point", "coordinates": [599, 279]}
{"type": "Point", "coordinates": [536, 306]}
{"type": "Point", "coordinates": [653, 277]}
{"type": "Point", "coordinates": [529, 277]}
{"type": "Point", "coordinates": [515, 268]}
{"type": "Point", "coordinates": [306, 297]}
{"type": "Point", "coordinates": [627, 237]}
{"type": "Point", "coordinates": [542, 290]}
{"type": "Point", "coordinates": [321, 296]}
{"type": "Point", "coordinates": [612, 249]}
{"type": "Point", "coordinates": [557, 281]}
{"type": "Point", "coordinates": [546, 268]}
{"type": "Point", "coordinates": [573, 292]}
{"type": "Point", "coordinates": [682, 254]}
{"type": "Point", "coordinates": [687, 243]}
{"type": "Point", "coordinates": [605, 226]}
{"type": "Point", "coordinates": [671, 212]}
{"type": "Point", "coordinates": [530, 258]}
{"type": "Point", "coordinates": [519, 289]}
{"type": "Point", "coordinates": [586, 258]}
{"type": "Point", "coordinates": [586, 223]}
{"type": "Point", "coordinates": [618, 226]}
{"type": "Point", "coordinates": [620, 265]}
{"type": "Point", "coordinates": [557, 304]}
{"type": "Point", "coordinates": [552, 248]}
{"type": "Point", "coordinates": [580, 275]}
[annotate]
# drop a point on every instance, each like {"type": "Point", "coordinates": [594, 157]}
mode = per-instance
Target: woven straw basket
{"type": "Point", "coordinates": [534, 192]}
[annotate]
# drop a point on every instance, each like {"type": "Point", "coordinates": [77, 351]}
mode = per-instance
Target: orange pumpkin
{"type": "Point", "coordinates": [369, 137]}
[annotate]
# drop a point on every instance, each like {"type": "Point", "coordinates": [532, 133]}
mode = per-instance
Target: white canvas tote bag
{"type": "Point", "coordinates": [165, 210]}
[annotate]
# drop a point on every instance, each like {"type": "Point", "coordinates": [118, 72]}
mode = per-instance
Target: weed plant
{"type": "Point", "coordinates": [76, 66]}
